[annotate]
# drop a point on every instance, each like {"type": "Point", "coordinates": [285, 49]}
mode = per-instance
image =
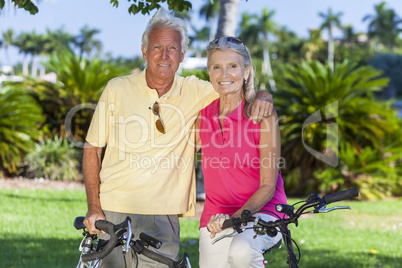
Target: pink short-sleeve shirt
{"type": "Point", "coordinates": [231, 162]}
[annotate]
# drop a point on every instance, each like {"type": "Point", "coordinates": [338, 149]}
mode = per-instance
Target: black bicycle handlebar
{"type": "Point", "coordinates": [114, 231]}
{"type": "Point", "coordinates": [271, 228]}
{"type": "Point", "coordinates": [339, 196]}
{"type": "Point", "coordinates": [331, 198]}
{"type": "Point", "coordinates": [227, 224]}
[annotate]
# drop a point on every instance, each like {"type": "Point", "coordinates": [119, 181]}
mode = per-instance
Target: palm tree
{"type": "Point", "coordinates": [350, 39]}
{"type": "Point", "coordinates": [85, 41]}
{"type": "Point", "coordinates": [8, 39]}
{"type": "Point", "coordinates": [38, 48]}
{"type": "Point", "coordinates": [288, 44]}
{"type": "Point", "coordinates": [330, 22]}
{"type": "Point", "coordinates": [200, 36]}
{"type": "Point", "coordinates": [22, 43]}
{"type": "Point", "coordinates": [30, 44]}
{"type": "Point", "coordinates": [321, 107]}
{"type": "Point", "coordinates": [19, 118]}
{"type": "Point", "coordinates": [57, 41]}
{"type": "Point", "coordinates": [255, 28]}
{"type": "Point", "coordinates": [311, 49]}
{"type": "Point", "coordinates": [384, 26]}
{"type": "Point", "coordinates": [210, 12]}
{"type": "Point", "coordinates": [227, 18]}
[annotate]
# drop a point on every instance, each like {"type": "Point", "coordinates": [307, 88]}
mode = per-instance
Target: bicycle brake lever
{"type": "Point", "coordinates": [129, 234]}
{"type": "Point", "coordinates": [224, 236]}
{"type": "Point", "coordinates": [325, 210]}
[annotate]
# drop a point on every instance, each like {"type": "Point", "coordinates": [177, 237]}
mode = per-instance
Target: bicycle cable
{"type": "Point", "coordinates": [297, 260]}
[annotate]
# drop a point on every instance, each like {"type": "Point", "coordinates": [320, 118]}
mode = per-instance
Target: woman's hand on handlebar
{"type": "Point", "coordinates": [215, 224]}
{"type": "Point", "coordinates": [90, 219]}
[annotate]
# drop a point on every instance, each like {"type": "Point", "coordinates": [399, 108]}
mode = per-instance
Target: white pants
{"type": "Point", "coordinates": [242, 250]}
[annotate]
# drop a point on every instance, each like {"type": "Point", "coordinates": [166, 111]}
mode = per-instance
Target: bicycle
{"type": "Point", "coordinates": [262, 227]}
{"type": "Point", "coordinates": [93, 251]}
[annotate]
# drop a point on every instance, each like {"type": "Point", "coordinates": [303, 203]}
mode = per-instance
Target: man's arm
{"type": "Point", "coordinates": [91, 168]}
{"type": "Point", "coordinates": [262, 106]}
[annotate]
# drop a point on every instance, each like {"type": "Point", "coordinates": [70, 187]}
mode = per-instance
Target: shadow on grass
{"type": "Point", "coordinates": [17, 252]}
{"type": "Point", "coordinates": [20, 252]}
{"type": "Point", "coordinates": [333, 259]}
{"type": "Point", "coordinates": [23, 196]}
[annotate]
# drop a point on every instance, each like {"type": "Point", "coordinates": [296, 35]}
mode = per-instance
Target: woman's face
{"type": "Point", "coordinates": [226, 72]}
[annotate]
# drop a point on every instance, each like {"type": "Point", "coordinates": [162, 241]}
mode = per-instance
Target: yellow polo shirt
{"type": "Point", "coordinates": [143, 170]}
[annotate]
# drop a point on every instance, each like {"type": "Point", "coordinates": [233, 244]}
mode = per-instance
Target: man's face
{"type": "Point", "coordinates": [163, 54]}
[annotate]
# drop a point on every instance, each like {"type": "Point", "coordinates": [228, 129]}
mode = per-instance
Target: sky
{"type": "Point", "coordinates": [120, 32]}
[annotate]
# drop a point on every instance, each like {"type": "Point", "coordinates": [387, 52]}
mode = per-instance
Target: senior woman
{"type": "Point", "coordinates": [239, 160]}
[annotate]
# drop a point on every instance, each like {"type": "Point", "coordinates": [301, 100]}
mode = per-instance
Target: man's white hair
{"type": "Point", "coordinates": [164, 19]}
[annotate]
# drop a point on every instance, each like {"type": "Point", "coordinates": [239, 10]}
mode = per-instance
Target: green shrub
{"type": "Point", "coordinates": [375, 172]}
{"type": "Point", "coordinates": [54, 159]}
{"type": "Point", "coordinates": [19, 118]}
{"type": "Point", "coordinates": [343, 98]}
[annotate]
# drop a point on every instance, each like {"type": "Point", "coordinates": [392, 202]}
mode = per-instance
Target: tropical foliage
{"type": "Point", "coordinates": [384, 26]}
{"type": "Point", "coordinates": [145, 6]}
{"type": "Point", "coordinates": [335, 132]}
{"type": "Point", "coordinates": [54, 159]}
{"type": "Point", "coordinates": [20, 115]}
{"type": "Point", "coordinates": [79, 85]}
{"type": "Point", "coordinates": [321, 110]}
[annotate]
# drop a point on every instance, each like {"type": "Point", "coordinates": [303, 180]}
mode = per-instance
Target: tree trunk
{"type": "Point", "coordinates": [331, 49]}
{"type": "Point", "coordinates": [267, 66]}
{"type": "Point", "coordinates": [34, 67]}
{"type": "Point", "coordinates": [227, 18]}
{"type": "Point", "coordinates": [25, 66]}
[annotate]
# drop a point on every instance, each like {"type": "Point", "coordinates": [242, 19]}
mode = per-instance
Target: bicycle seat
{"type": "Point", "coordinates": [79, 223]}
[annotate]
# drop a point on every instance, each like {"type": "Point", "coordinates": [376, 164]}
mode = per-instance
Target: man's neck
{"type": "Point", "coordinates": [161, 86]}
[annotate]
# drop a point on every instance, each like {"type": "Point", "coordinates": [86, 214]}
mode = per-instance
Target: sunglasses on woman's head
{"type": "Point", "coordinates": [230, 39]}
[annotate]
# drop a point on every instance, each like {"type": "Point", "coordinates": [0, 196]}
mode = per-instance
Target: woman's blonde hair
{"type": "Point", "coordinates": [236, 45]}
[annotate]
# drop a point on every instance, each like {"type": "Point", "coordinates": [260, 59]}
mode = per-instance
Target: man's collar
{"type": "Point", "coordinates": [173, 92]}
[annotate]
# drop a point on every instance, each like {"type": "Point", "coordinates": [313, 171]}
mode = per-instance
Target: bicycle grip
{"type": "Point", "coordinates": [150, 240]}
{"type": "Point", "coordinates": [157, 257]}
{"type": "Point", "coordinates": [108, 227]}
{"type": "Point", "coordinates": [227, 224]}
{"type": "Point", "coordinates": [343, 195]}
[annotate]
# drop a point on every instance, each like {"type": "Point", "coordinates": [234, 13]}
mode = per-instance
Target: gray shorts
{"type": "Point", "coordinates": [166, 228]}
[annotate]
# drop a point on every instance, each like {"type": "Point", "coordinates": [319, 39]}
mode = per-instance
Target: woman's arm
{"type": "Point", "coordinates": [270, 150]}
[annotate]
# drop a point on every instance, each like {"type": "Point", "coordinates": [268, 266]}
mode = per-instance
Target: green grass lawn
{"type": "Point", "coordinates": [36, 231]}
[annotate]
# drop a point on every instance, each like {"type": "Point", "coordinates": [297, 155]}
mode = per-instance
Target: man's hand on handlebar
{"type": "Point", "coordinates": [215, 224]}
{"type": "Point", "coordinates": [90, 219]}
